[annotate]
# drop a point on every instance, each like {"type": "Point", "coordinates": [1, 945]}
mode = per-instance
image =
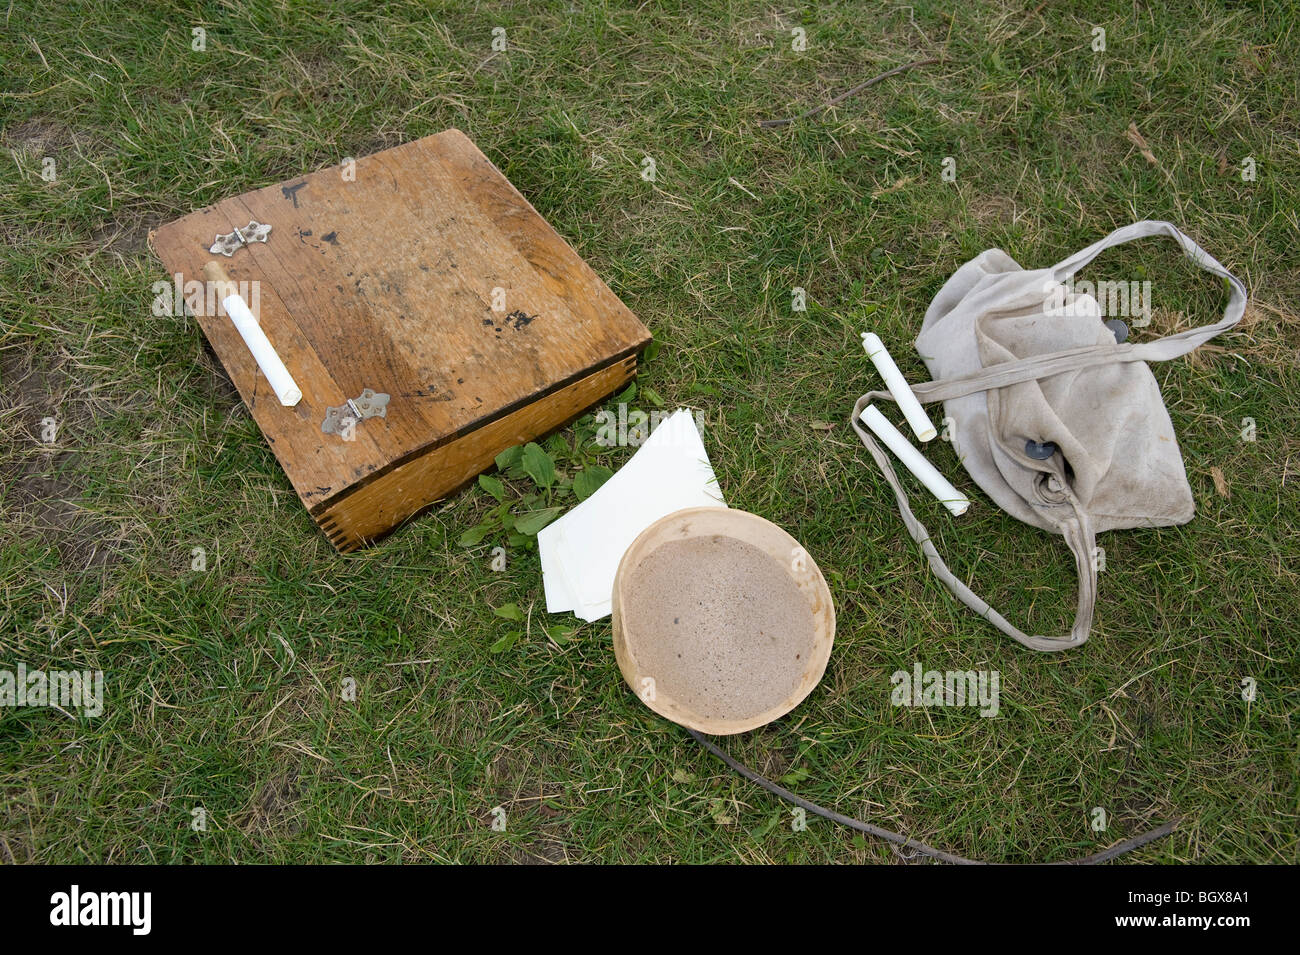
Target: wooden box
{"type": "Point", "coordinates": [419, 273]}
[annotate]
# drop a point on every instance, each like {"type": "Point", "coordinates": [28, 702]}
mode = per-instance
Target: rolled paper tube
{"type": "Point", "coordinates": [915, 461]}
{"type": "Point", "coordinates": [898, 387]}
{"type": "Point", "coordinates": [264, 353]}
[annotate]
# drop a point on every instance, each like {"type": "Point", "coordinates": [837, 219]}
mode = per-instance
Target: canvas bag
{"type": "Point", "coordinates": [1016, 358]}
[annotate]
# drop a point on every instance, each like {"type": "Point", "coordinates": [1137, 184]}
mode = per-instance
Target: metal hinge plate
{"type": "Point", "coordinates": [344, 418]}
{"type": "Point", "coordinates": [231, 242]}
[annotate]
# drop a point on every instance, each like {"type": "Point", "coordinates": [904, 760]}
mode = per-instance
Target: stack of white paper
{"type": "Point", "coordinates": [580, 551]}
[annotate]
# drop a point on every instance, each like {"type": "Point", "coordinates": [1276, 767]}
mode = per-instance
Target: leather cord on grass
{"type": "Point", "coordinates": [774, 123]}
{"type": "Point", "coordinates": [907, 843]}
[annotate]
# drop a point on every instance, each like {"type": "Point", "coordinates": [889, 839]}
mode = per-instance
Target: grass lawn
{"type": "Point", "coordinates": [224, 686]}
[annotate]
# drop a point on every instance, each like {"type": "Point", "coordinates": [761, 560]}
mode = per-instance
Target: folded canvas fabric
{"type": "Point", "coordinates": [1063, 426]}
{"type": "Point", "coordinates": [580, 552]}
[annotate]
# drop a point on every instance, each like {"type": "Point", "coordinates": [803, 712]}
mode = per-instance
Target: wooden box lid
{"type": "Point", "coordinates": [384, 276]}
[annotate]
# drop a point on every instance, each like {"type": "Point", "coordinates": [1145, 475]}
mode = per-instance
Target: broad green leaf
{"type": "Point", "coordinates": [628, 396]}
{"type": "Point", "coordinates": [537, 464]}
{"type": "Point", "coordinates": [534, 521]}
{"type": "Point", "coordinates": [652, 396]}
{"type": "Point", "coordinates": [509, 611]}
{"type": "Point", "coordinates": [588, 481]}
{"type": "Point", "coordinates": [506, 642]}
{"type": "Point", "coordinates": [510, 457]}
{"type": "Point", "coordinates": [493, 486]}
{"type": "Point", "coordinates": [476, 534]}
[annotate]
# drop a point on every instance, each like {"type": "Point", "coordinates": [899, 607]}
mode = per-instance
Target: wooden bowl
{"type": "Point", "coordinates": [722, 621]}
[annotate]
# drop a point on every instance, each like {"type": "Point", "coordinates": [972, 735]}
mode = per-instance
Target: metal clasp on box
{"type": "Point", "coordinates": [343, 419]}
{"type": "Point", "coordinates": [231, 242]}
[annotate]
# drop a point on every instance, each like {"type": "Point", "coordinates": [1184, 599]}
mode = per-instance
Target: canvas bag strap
{"type": "Point", "coordinates": [1073, 359]}
{"type": "Point", "coordinates": [1078, 535]}
{"type": "Point", "coordinates": [1171, 346]}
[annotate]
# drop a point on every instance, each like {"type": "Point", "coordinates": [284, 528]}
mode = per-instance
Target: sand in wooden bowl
{"type": "Point", "coordinates": [720, 625]}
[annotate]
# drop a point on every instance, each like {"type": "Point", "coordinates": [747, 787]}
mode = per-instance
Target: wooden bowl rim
{"type": "Point", "coordinates": [765, 535]}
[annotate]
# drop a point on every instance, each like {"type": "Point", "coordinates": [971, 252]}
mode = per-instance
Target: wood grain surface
{"type": "Point", "coordinates": [387, 279]}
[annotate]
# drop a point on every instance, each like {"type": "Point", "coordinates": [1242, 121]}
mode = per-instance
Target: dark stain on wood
{"type": "Point", "coordinates": [519, 319]}
{"type": "Point", "coordinates": [291, 191]}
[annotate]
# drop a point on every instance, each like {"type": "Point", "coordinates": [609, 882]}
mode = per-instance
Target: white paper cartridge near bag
{"type": "Point", "coordinates": [916, 462]}
{"type": "Point", "coordinates": [898, 387]}
{"type": "Point", "coordinates": [1052, 413]}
